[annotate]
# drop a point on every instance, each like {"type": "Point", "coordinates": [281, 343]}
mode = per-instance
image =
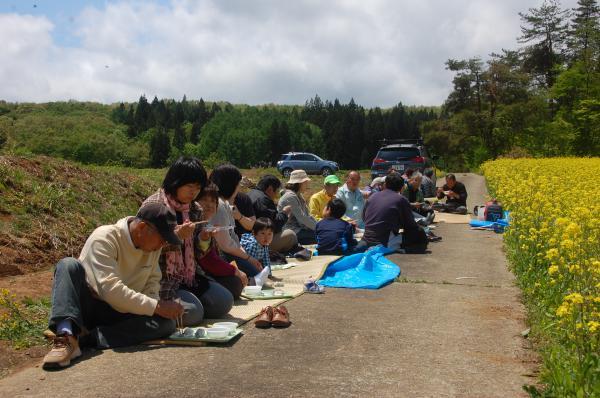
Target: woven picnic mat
{"type": "Point", "coordinates": [293, 279]}
{"type": "Point", "coordinates": [450, 218]}
{"type": "Point", "coordinates": [244, 309]}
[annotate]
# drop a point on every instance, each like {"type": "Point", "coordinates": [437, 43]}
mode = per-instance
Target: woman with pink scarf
{"type": "Point", "coordinates": [201, 296]}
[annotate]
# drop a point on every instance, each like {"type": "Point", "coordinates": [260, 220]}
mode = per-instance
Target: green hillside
{"type": "Point", "coordinates": [48, 207]}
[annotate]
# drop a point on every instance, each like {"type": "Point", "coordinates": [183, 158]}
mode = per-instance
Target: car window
{"type": "Point", "coordinates": [312, 158]}
{"type": "Point", "coordinates": [295, 157]}
{"type": "Point", "coordinates": [391, 154]}
{"type": "Point", "coordinates": [285, 157]}
{"type": "Point", "coordinates": [303, 157]}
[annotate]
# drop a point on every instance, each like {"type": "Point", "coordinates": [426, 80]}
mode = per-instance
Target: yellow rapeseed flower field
{"type": "Point", "coordinates": [553, 245]}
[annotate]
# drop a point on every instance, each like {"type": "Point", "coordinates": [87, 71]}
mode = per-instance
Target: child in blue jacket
{"type": "Point", "coordinates": [334, 235]}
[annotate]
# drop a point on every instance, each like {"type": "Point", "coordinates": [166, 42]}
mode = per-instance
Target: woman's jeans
{"type": "Point", "coordinates": [213, 303]}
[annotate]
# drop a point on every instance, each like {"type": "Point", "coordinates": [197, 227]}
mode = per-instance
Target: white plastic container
{"type": "Point", "coordinates": [252, 290]}
{"type": "Point", "coordinates": [231, 326]}
{"type": "Point", "coordinates": [217, 332]}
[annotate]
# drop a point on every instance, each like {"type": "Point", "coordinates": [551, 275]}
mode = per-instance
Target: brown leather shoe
{"type": "Point", "coordinates": [264, 318]}
{"type": "Point", "coordinates": [281, 317]}
{"type": "Point", "coordinates": [64, 349]}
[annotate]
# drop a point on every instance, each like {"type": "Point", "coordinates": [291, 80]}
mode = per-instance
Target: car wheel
{"type": "Point", "coordinates": [286, 172]}
{"type": "Point", "coordinates": [325, 171]}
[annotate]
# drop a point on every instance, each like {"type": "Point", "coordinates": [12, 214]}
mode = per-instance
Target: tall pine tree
{"type": "Point", "coordinates": [544, 32]}
{"type": "Point", "coordinates": [160, 147]}
{"type": "Point", "coordinates": [179, 138]}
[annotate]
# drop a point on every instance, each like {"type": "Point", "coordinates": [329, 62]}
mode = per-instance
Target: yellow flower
{"type": "Point", "coordinates": [563, 310]}
{"type": "Point", "coordinates": [574, 268]}
{"type": "Point", "coordinates": [567, 244]}
{"type": "Point", "coordinates": [553, 269]}
{"type": "Point", "coordinates": [572, 229]}
{"type": "Point", "coordinates": [593, 326]}
{"type": "Point", "coordinates": [552, 253]}
{"type": "Point", "coordinates": [574, 298]}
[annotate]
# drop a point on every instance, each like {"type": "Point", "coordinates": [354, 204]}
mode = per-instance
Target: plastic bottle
{"type": "Point", "coordinates": [344, 244]}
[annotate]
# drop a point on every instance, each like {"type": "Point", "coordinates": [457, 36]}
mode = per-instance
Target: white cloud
{"type": "Point", "coordinates": [379, 52]}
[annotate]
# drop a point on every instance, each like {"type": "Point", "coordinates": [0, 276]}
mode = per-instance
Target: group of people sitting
{"type": "Point", "coordinates": [198, 241]}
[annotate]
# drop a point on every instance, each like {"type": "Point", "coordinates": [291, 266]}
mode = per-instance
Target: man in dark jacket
{"type": "Point", "coordinates": [387, 212]}
{"type": "Point", "coordinates": [263, 200]}
{"type": "Point", "coordinates": [455, 194]}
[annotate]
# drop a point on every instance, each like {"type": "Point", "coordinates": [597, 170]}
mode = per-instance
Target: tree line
{"type": "Point", "coordinates": [258, 135]}
{"type": "Point", "coordinates": [541, 99]}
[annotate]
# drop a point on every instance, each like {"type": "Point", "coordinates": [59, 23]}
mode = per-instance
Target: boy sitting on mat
{"type": "Point", "coordinates": [256, 244]}
{"type": "Point", "coordinates": [334, 235]}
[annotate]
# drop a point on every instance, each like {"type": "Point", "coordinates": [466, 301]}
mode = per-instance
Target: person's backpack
{"type": "Point", "coordinates": [415, 241]}
{"type": "Point", "coordinates": [493, 211]}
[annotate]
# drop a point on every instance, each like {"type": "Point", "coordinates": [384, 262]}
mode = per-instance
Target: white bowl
{"type": "Point", "coordinates": [253, 290]}
{"type": "Point", "coordinates": [231, 326]}
{"type": "Point", "coordinates": [217, 332]}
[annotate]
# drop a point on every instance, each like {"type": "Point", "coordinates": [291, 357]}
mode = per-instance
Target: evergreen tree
{"type": "Point", "coordinates": [545, 33]}
{"type": "Point", "coordinates": [195, 133]}
{"type": "Point", "coordinates": [143, 115]}
{"type": "Point", "coordinates": [160, 113]}
{"type": "Point", "coordinates": [584, 35]}
{"type": "Point", "coordinates": [201, 117]}
{"type": "Point", "coordinates": [273, 142]}
{"type": "Point", "coordinates": [119, 114]}
{"type": "Point", "coordinates": [179, 138]}
{"type": "Point", "coordinates": [179, 116]}
{"type": "Point", "coordinates": [214, 110]}
{"type": "Point", "coordinates": [373, 134]}
{"type": "Point", "coordinates": [160, 147]}
{"type": "Point", "coordinates": [187, 110]}
{"type": "Point", "coordinates": [130, 122]}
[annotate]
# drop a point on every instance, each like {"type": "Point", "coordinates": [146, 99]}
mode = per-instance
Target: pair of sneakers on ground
{"type": "Point", "coordinates": [277, 317]}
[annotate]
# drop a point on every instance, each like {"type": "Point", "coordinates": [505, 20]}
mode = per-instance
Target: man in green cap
{"type": "Point", "coordinates": [319, 201]}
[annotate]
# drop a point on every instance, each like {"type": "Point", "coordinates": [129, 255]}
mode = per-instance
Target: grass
{"type": "Point", "coordinates": [49, 206]}
{"type": "Point", "coordinates": [22, 322]}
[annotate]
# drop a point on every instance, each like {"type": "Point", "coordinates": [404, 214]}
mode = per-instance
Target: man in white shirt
{"type": "Point", "coordinates": [109, 296]}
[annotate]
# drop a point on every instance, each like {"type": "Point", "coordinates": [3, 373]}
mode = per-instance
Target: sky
{"type": "Point", "coordinates": [379, 52]}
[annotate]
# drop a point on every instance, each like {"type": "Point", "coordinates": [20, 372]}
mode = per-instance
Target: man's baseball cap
{"type": "Point", "coordinates": [332, 179]}
{"type": "Point", "coordinates": [163, 219]}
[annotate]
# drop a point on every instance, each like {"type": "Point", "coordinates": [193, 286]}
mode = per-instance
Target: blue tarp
{"type": "Point", "coordinates": [369, 270]}
{"type": "Point", "coordinates": [501, 223]}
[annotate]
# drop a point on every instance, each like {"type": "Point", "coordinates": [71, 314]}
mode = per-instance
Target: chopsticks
{"type": "Point", "coordinates": [179, 320]}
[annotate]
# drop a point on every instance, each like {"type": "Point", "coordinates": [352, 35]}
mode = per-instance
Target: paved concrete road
{"type": "Point", "coordinates": [452, 329]}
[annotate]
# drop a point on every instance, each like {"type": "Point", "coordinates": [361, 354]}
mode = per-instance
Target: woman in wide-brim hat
{"type": "Point", "coordinates": [300, 221]}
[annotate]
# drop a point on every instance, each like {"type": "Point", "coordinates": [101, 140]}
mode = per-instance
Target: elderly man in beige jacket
{"type": "Point", "coordinates": [109, 296]}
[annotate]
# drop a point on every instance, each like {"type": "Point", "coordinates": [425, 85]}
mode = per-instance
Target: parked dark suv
{"type": "Point", "coordinates": [400, 155]}
{"type": "Point", "coordinates": [308, 162]}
